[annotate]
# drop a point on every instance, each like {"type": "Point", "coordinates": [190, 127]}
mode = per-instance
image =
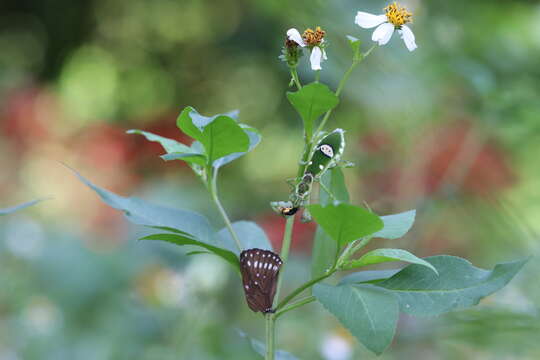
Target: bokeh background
{"type": "Point", "coordinates": [452, 129]}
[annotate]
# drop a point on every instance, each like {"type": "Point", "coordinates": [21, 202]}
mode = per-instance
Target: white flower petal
{"type": "Point", "coordinates": [408, 37]}
{"type": "Point", "coordinates": [294, 35]}
{"type": "Point", "coordinates": [367, 21]}
{"type": "Point", "coordinates": [324, 55]}
{"type": "Point", "coordinates": [383, 33]}
{"type": "Point", "coordinates": [315, 58]}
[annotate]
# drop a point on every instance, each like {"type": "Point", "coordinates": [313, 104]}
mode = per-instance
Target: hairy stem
{"type": "Point", "coordinates": [295, 305]}
{"type": "Point", "coordinates": [295, 77]}
{"type": "Point", "coordinates": [285, 247]}
{"type": "Point", "coordinates": [270, 336]}
{"type": "Point", "coordinates": [214, 193]}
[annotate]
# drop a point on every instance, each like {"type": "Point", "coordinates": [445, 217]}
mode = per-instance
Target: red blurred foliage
{"type": "Point", "coordinates": [26, 117]}
{"type": "Point", "coordinates": [274, 225]}
{"type": "Point", "coordinates": [376, 141]}
{"type": "Point", "coordinates": [454, 155]}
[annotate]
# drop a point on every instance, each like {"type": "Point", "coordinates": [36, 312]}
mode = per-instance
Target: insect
{"type": "Point", "coordinates": [285, 208]}
{"type": "Point", "coordinates": [326, 154]}
{"type": "Point", "coordinates": [260, 269]}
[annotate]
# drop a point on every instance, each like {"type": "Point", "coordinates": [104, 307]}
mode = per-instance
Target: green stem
{"type": "Point", "coordinates": [295, 77]}
{"type": "Point", "coordinates": [341, 85]}
{"type": "Point", "coordinates": [270, 337]}
{"type": "Point", "coordinates": [295, 305]}
{"type": "Point", "coordinates": [303, 287]}
{"type": "Point", "coordinates": [214, 193]}
{"type": "Point", "coordinates": [285, 247]}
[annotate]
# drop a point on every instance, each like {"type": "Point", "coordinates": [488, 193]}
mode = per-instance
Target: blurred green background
{"type": "Point", "coordinates": [451, 129]}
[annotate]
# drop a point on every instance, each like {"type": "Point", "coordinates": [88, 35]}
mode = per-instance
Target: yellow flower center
{"type": "Point", "coordinates": [313, 37]}
{"type": "Point", "coordinates": [397, 14]}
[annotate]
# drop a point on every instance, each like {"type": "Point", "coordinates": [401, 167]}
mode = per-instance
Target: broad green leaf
{"type": "Point", "coordinates": [459, 284]}
{"type": "Point", "coordinates": [370, 314]}
{"type": "Point", "coordinates": [368, 276]}
{"type": "Point", "coordinates": [378, 256]}
{"type": "Point", "coordinates": [144, 213]}
{"type": "Point", "coordinates": [181, 240]}
{"type": "Point", "coordinates": [250, 234]}
{"type": "Point", "coordinates": [220, 135]}
{"type": "Point", "coordinates": [396, 225]}
{"type": "Point", "coordinates": [324, 252]}
{"type": "Point", "coordinates": [334, 181]}
{"type": "Point", "coordinates": [254, 140]}
{"type": "Point", "coordinates": [324, 248]}
{"type": "Point", "coordinates": [199, 159]}
{"type": "Point", "coordinates": [15, 208]}
{"type": "Point", "coordinates": [260, 348]}
{"type": "Point", "coordinates": [312, 101]}
{"type": "Point", "coordinates": [345, 222]}
{"type": "Point", "coordinates": [223, 137]}
{"type": "Point", "coordinates": [175, 150]}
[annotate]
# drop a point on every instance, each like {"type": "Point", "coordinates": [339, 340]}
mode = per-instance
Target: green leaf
{"type": "Point", "coordinates": [260, 348]}
{"type": "Point", "coordinates": [459, 284]}
{"type": "Point", "coordinates": [370, 314]}
{"type": "Point", "coordinates": [199, 159]}
{"type": "Point", "coordinates": [324, 252]}
{"type": "Point", "coordinates": [223, 137]}
{"type": "Point", "coordinates": [345, 222]}
{"type": "Point", "coordinates": [396, 225]}
{"type": "Point", "coordinates": [175, 150]}
{"type": "Point", "coordinates": [333, 180]}
{"type": "Point", "coordinates": [254, 140]}
{"type": "Point", "coordinates": [15, 208]}
{"type": "Point", "coordinates": [312, 101]}
{"type": "Point", "coordinates": [220, 135]}
{"type": "Point", "coordinates": [324, 248]}
{"type": "Point", "coordinates": [250, 234]}
{"type": "Point", "coordinates": [368, 276]}
{"type": "Point", "coordinates": [181, 240]}
{"type": "Point", "coordinates": [141, 212]}
{"type": "Point", "coordinates": [378, 256]}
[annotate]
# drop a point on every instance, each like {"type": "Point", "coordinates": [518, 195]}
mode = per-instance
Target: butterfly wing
{"type": "Point", "coordinates": [260, 269]}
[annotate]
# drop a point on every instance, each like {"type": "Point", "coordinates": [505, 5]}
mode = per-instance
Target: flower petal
{"type": "Point", "coordinates": [383, 33]}
{"type": "Point", "coordinates": [408, 37]}
{"type": "Point", "coordinates": [324, 55]}
{"type": "Point", "coordinates": [315, 58]}
{"type": "Point", "coordinates": [294, 35]}
{"type": "Point", "coordinates": [367, 21]}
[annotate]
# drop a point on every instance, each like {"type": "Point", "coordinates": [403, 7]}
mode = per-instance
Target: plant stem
{"type": "Point", "coordinates": [214, 193]}
{"type": "Point", "coordinates": [303, 287]}
{"type": "Point", "coordinates": [285, 247]}
{"type": "Point", "coordinates": [295, 77]}
{"type": "Point", "coordinates": [297, 304]}
{"type": "Point", "coordinates": [270, 336]}
{"type": "Point", "coordinates": [341, 85]}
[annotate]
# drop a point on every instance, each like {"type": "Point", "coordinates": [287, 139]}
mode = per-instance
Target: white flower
{"type": "Point", "coordinates": [294, 35]}
{"type": "Point", "coordinates": [395, 18]}
{"type": "Point", "coordinates": [313, 40]}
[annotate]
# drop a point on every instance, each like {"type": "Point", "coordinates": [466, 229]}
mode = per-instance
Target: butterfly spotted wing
{"type": "Point", "coordinates": [260, 269]}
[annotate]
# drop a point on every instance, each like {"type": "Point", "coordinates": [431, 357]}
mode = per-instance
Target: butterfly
{"type": "Point", "coordinates": [260, 269]}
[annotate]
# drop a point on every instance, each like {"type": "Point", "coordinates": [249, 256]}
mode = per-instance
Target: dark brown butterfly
{"type": "Point", "coordinates": [260, 269]}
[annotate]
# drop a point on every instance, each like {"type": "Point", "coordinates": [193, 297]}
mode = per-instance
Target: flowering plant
{"type": "Point", "coordinates": [367, 303]}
